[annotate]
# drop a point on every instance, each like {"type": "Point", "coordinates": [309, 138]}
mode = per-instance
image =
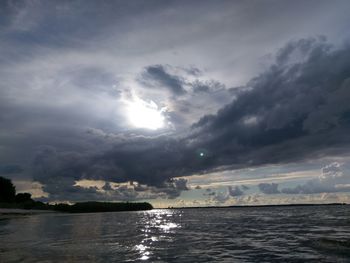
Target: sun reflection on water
{"type": "Point", "coordinates": [156, 225]}
{"type": "Point", "coordinates": [143, 251]}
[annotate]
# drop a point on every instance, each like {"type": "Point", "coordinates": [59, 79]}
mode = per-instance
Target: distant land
{"type": "Point", "coordinates": [9, 199]}
{"type": "Point", "coordinates": [80, 207]}
{"type": "Point", "coordinates": [254, 206]}
{"type": "Point", "coordinates": [93, 207]}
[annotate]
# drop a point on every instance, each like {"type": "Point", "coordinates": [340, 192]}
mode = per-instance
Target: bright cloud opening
{"type": "Point", "coordinates": [143, 114]}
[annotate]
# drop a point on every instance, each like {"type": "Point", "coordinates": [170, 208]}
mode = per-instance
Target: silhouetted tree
{"type": "Point", "coordinates": [23, 197]}
{"type": "Point", "coordinates": [93, 207]}
{"type": "Point", "coordinates": [7, 190]}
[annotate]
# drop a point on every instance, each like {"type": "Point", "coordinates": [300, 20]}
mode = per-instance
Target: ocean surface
{"type": "Point", "coordinates": [263, 234]}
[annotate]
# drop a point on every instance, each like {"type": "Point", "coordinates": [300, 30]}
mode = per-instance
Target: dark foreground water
{"type": "Point", "coordinates": [265, 234]}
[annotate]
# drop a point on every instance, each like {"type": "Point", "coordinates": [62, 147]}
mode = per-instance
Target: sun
{"type": "Point", "coordinates": [142, 114]}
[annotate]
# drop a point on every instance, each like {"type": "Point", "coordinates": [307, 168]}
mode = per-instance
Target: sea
{"type": "Point", "coordinates": [247, 234]}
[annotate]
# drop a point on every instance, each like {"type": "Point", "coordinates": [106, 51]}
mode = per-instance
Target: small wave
{"type": "Point", "coordinates": [339, 247]}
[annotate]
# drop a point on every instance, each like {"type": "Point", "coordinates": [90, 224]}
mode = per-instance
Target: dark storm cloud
{"type": "Point", "coordinates": [235, 191]}
{"type": "Point", "coordinates": [64, 76]}
{"type": "Point", "coordinates": [193, 71]}
{"type": "Point", "coordinates": [59, 171]}
{"type": "Point", "coordinates": [244, 187]}
{"type": "Point", "coordinates": [172, 188]}
{"type": "Point", "coordinates": [107, 187]}
{"type": "Point", "coordinates": [132, 161]}
{"type": "Point", "coordinates": [220, 197]}
{"type": "Point", "coordinates": [275, 120]}
{"type": "Point", "coordinates": [24, 21]}
{"type": "Point", "coordinates": [10, 169]}
{"type": "Point", "coordinates": [207, 86]}
{"type": "Point", "coordinates": [286, 113]}
{"type": "Point", "coordinates": [200, 94]}
{"type": "Point", "coordinates": [159, 74]}
{"type": "Point", "coordinates": [267, 188]}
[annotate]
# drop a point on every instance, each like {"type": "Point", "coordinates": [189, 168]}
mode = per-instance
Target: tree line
{"type": "Point", "coordinates": [9, 199]}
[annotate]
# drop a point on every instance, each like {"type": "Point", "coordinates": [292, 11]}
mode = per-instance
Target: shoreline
{"type": "Point", "coordinates": [18, 211]}
{"type": "Point", "coordinates": [256, 206]}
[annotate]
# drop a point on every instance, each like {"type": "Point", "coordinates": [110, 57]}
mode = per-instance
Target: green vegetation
{"type": "Point", "coordinates": [9, 199]}
{"type": "Point", "coordinates": [7, 190]}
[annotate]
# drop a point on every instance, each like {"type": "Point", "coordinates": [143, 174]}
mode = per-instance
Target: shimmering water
{"type": "Point", "coordinates": [265, 234]}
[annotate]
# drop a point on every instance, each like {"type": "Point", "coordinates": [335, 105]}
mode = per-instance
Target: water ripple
{"type": "Point", "coordinates": [289, 234]}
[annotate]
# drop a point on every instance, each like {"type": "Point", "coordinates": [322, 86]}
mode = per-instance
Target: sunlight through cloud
{"type": "Point", "coordinates": [143, 114]}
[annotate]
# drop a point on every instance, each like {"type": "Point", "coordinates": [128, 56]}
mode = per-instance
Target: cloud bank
{"type": "Point", "coordinates": [295, 110]}
{"type": "Point", "coordinates": [66, 81]}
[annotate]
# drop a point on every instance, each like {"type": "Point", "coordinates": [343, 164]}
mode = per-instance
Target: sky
{"type": "Point", "coordinates": [178, 103]}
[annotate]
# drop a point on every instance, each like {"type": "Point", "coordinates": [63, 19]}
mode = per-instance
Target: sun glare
{"type": "Point", "coordinates": [144, 114]}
